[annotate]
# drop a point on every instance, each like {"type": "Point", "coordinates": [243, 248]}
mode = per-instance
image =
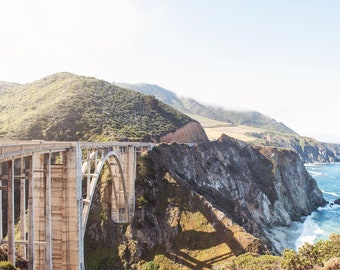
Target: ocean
{"type": "Point", "coordinates": [326, 220]}
{"type": "Point", "coordinates": [322, 222]}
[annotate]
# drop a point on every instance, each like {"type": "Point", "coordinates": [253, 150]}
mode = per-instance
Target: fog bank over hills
{"type": "Point", "coordinates": [250, 126]}
{"type": "Point", "coordinates": [191, 106]}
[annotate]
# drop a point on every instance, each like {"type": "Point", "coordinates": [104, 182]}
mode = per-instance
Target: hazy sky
{"type": "Point", "coordinates": [281, 58]}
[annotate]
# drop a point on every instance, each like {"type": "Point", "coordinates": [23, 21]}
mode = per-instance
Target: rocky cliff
{"type": "Point", "coordinates": [308, 149]}
{"type": "Point", "coordinates": [255, 189]}
{"type": "Point", "coordinates": [199, 205]}
{"type": "Point", "coordinates": [335, 148]}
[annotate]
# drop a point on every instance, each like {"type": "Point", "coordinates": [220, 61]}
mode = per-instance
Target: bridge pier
{"type": "Point", "coordinates": [10, 211]}
{"type": "Point", "coordinates": [56, 240]}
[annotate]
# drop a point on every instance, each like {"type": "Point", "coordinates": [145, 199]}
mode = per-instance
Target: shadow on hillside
{"type": "Point", "coordinates": [192, 248]}
{"type": "Point", "coordinates": [201, 239]}
{"type": "Point", "coordinates": [197, 249]}
{"type": "Point", "coordinates": [202, 250]}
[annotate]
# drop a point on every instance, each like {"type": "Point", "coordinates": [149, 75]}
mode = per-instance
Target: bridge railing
{"type": "Point", "coordinates": [17, 149]}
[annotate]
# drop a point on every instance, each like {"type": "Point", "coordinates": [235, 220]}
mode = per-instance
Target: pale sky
{"type": "Point", "coordinates": [281, 58]}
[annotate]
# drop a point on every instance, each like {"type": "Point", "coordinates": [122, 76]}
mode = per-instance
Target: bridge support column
{"type": "Point", "coordinates": [31, 215]}
{"type": "Point", "coordinates": [10, 212]}
{"type": "Point", "coordinates": [23, 238]}
{"type": "Point", "coordinates": [72, 233]}
{"type": "Point", "coordinates": [37, 226]}
{"type": "Point", "coordinates": [48, 234]}
{"type": "Point", "coordinates": [1, 214]}
{"type": "Point", "coordinates": [130, 174]}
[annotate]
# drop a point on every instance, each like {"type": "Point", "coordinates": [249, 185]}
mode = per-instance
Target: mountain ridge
{"type": "Point", "coordinates": [189, 105]}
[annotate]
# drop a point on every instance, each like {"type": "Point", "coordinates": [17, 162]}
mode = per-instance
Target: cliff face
{"type": "Point", "coordinates": [191, 200]}
{"type": "Point", "coordinates": [308, 149]}
{"type": "Point", "coordinates": [314, 152]}
{"type": "Point", "coordinates": [296, 189]}
{"type": "Point", "coordinates": [335, 148]}
{"type": "Point", "coordinates": [254, 189]}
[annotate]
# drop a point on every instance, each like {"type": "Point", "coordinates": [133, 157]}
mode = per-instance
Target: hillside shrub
{"type": "Point", "coordinates": [151, 266]}
{"type": "Point", "coordinates": [4, 265]}
{"type": "Point", "coordinates": [316, 256]}
{"type": "Point", "coordinates": [311, 256]}
{"type": "Point", "coordinates": [253, 261]}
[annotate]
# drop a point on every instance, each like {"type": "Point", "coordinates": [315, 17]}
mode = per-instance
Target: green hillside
{"type": "Point", "coordinates": [160, 93]}
{"type": "Point", "coordinates": [65, 106]}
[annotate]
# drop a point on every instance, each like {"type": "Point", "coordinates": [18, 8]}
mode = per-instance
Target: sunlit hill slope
{"type": "Point", "coordinates": [65, 106]}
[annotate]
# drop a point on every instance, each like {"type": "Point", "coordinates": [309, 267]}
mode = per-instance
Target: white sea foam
{"type": "Point", "coordinates": [285, 236]}
{"type": "Point", "coordinates": [331, 193]}
{"type": "Point", "coordinates": [326, 220]}
{"type": "Point", "coordinates": [310, 164]}
{"type": "Point", "coordinates": [313, 173]}
{"type": "Point", "coordinates": [329, 206]}
{"type": "Point", "coordinates": [310, 232]}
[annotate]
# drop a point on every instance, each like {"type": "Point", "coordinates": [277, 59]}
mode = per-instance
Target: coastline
{"type": "Point", "coordinates": [285, 237]}
{"type": "Point", "coordinates": [321, 222]}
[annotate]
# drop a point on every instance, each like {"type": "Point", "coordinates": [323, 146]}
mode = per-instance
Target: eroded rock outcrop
{"type": "Point", "coordinates": [192, 132]}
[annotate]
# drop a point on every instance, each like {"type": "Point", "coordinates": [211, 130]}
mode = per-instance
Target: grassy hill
{"type": "Point", "coordinates": [65, 106]}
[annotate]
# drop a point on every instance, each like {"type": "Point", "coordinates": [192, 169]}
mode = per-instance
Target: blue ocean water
{"type": "Point", "coordinates": [326, 220]}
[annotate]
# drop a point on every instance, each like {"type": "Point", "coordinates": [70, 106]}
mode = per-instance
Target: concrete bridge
{"type": "Point", "coordinates": [47, 188]}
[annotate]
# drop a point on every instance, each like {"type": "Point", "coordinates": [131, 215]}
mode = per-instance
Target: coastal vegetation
{"type": "Point", "coordinates": [309, 256]}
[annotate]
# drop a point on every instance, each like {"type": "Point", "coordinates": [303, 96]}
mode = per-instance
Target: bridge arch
{"type": "Point", "coordinates": [91, 170]}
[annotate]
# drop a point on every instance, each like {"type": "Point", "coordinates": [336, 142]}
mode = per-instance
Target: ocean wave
{"type": "Point", "coordinates": [316, 173]}
{"type": "Point", "coordinates": [310, 233]}
{"type": "Point", "coordinates": [309, 238]}
{"type": "Point", "coordinates": [285, 236]}
{"type": "Point", "coordinates": [326, 220]}
{"type": "Point", "coordinates": [319, 224]}
{"type": "Point", "coordinates": [310, 165]}
{"type": "Point", "coordinates": [328, 206]}
{"type": "Point", "coordinates": [330, 193]}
